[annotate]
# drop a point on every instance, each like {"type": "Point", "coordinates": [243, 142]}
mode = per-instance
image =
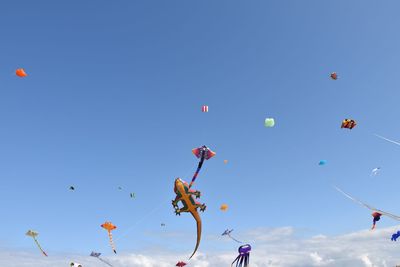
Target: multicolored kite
{"type": "Point", "coordinates": [34, 234]}
{"type": "Point", "coordinates": [348, 123]}
{"type": "Point", "coordinates": [109, 227]}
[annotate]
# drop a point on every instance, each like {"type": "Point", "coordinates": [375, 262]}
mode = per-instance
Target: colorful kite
{"type": "Point", "coordinates": [21, 73]}
{"type": "Point", "coordinates": [244, 256]}
{"type": "Point", "coordinates": [334, 76]}
{"type": "Point", "coordinates": [269, 122]}
{"type": "Point", "coordinates": [97, 255]}
{"type": "Point", "coordinates": [185, 195]}
{"type": "Point", "coordinates": [376, 212]}
{"type": "Point", "coordinates": [204, 108]}
{"type": "Point", "coordinates": [34, 234]}
{"type": "Point", "coordinates": [181, 264]}
{"type": "Point", "coordinates": [224, 207]}
{"type": "Point", "coordinates": [228, 232]}
{"type": "Point", "coordinates": [348, 124]}
{"type": "Point", "coordinates": [395, 236]}
{"type": "Point", "coordinates": [74, 264]}
{"type": "Point", "coordinates": [109, 227]}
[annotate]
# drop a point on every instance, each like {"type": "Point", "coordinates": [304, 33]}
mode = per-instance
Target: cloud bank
{"type": "Point", "coordinates": [270, 247]}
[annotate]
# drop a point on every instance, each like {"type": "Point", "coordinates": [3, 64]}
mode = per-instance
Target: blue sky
{"type": "Point", "coordinates": [114, 96]}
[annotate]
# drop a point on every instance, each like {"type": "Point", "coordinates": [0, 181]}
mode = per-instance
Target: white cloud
{"type": "Point", "coordinates": [270, 247]}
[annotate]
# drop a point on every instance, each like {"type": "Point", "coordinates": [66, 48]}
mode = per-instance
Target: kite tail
{"type": "Point", "coordinates": [105, 262]}
{"type": "Point", "coordinates": [111, 242]}
{"type": "Point", "coordinates": [235, 239]}
{"type": "Point", "coordinates": [37, 243]}
{"type": "Point", "coordinates": [197, 171]}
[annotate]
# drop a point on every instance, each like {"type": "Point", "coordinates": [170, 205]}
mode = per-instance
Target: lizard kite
{"type": "Point", "coordinates": [185, 195]}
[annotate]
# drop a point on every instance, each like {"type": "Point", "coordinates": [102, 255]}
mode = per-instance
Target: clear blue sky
{"type": "Point", "coordinates": [114, 96]}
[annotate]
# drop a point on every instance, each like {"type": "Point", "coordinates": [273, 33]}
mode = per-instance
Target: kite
{"type": "Point", "coordinates": [203, 153]}
{"type": "Point", "coordinates": [391, 141]}
{"type": "Point", "coordinates": [395, 236]}
{"type": "Point", "coordinates": [181, 264]}
{"type": "Point", "coordinates": [97, 255]}
{"type": "Point", "coordinates": [376, 212]}
{"type": "Point", "coordinates": [244, 256]}
{"type": "Point", "coordinates": [375, 171]}
{"type": "Point", "coordinates": [322, 162]}
{"type": "Point", "coordinates": [225, 161]}
{"type": "Point", "coordinates": [224, 207]}
{"type": "Point", "coordinates": [132, 195]}
{"type": "Point", "coordinates": [204, 108]}
{"type": "Point", "coordinates": [269, 122]}
{"type": "Point", "coordinates": [71, 188]}
{"type": "Point", "coordinates": [163, 224]}
{"type": "Point", "coordinates": [334, 76]}
{"type": "Point", "coordinates": [348, 123]}
{"type": "Point", "coordinates": [120, 188]}
{"type": "Point", "coordinates": [186, 195]}
{"type": "Point", "coordinates": [228, 233]}
{"type": "Point", "coordinates": [21, 73]}
{"type": "Point", "coordinates": [34, 234]}
{"type": "Point", "coordinates": [109, 227]}
{"type": "Point", "coordinates": [74, 264]}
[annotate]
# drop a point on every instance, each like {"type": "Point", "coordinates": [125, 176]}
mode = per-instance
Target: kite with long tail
{"type": "Point", "coordinates": [185, 195]}
{"type": "Point", "coordinates": [203, 153]}
{"type": "Point", "coordinates": [109, 227]}
{"type": "Point", "coordinates": [97, 255]}
{"type": "Point", "coordinates": [228, 233]}
{"type": "Point", "coordinates": [34, 234]}
{"type": "Point", "coordinates": [377, 213]}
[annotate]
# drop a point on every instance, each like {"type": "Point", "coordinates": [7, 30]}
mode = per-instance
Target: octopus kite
{"type": "Point", "coordinates": [109, 227]}
{"type": "Point", "coordinates": [376, 212]}
{"type": "Point", "coordinates": [244, 256]}
{"type": "Point", "coordinates": [185, 195]}
{"type": "Point", "coordinates": [34, 234]}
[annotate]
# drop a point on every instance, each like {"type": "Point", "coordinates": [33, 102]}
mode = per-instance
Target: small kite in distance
{"type": "Point", "coordinates": [334, 76]}
{"type": "Point", "coordinates": [375, 171]}
{"type": "Point", "coordinates": [228, 232]}
{"type": "Point", "coordinates": [395, 236]}
{"type": "Point", "coordinates": [348, 124]}
{"type": "Point", "coordinates": [21, 73]}
{"type": "Point", "coordinates": [71, 188]}
{"type": "Point", "coordinates": [181, 264]}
